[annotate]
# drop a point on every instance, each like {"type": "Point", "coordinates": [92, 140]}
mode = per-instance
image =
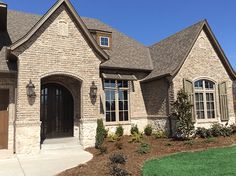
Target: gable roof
{"type": "Point", "coordinates": [78, 20]}
{"type": "Point", "coordinates": [162, 59]}
{"type": "Point", "coordinates": [169, 54]}
{"type": "Point", "coordinates": [126, 53]}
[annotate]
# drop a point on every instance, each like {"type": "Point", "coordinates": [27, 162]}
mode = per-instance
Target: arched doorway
{"type": "Point", "coordinates": [57, 111]}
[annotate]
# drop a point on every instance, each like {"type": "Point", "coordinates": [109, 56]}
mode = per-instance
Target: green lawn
{"type": "Point", "coordinates": [213, 162]}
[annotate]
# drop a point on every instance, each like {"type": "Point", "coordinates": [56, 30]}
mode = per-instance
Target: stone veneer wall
{"type": "Point", "coordinates": [48, 53]}
{"type": "Point", "coordinates": [9, 82]}
{"type": "Point", "coordinates": [203, 62]}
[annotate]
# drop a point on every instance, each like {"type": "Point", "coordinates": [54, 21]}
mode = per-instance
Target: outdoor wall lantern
{"type": "Point", "coordinates": [30, 89]}
{"type": "Point", "coordinates": [93, 91]}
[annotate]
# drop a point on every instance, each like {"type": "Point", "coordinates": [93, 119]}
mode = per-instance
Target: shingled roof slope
{"type": "Point", "coordinates": [168, 54]}
{"type": "Point", "coordinates": [126, 53]}
{"type": "Point", "coordinates": [18, 24]}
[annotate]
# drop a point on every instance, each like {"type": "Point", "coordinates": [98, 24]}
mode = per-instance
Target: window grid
{"type": "Point", "coordinates": [118, 111]}
{"type": "Point", "coordinates": [104, 41]}
{"type": "Point", "coordinates": [205, 99]}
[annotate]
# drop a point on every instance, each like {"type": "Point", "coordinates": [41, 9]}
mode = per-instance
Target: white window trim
{"type": "Point", "coordinates": [117, 122]}
{"type": "Point", "coordinates": [204, 91]}
{"type": "Point", "coordinates": [100, 41]}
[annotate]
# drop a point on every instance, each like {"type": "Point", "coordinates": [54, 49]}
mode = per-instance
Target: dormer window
{"type": "Point", "coordinates": [104, 41]}
{"type": "Point", "coordinates": [104, 38]}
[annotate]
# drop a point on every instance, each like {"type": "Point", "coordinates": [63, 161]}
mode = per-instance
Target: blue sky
{"type": "Point", "coordinates": [149, 21]}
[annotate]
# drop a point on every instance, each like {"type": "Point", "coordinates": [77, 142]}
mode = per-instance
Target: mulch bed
{"type": "Point", "coordinates": [98, 166]}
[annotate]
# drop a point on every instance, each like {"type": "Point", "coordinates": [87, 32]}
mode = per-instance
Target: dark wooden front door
{"type": "Point", "coordinates": [57, 109]}
{"type": "Point", "coordinates": [4, 103]}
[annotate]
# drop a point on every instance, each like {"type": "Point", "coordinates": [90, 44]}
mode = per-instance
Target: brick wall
{"type": "Point", "coordinates": [45, 54]}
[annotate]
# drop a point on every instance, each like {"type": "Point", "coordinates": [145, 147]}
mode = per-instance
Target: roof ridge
{"type": "Point", "coordinates": [23, 12]}
{"type": "Point", "coordinates": [164, 39]}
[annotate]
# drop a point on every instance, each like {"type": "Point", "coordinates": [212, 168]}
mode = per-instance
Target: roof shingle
{"type": "Point", "coordinates": [162, 58]}
{"type": "Point", "coordinates": [169, 53]}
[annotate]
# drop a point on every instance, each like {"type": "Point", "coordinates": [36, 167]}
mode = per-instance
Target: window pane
{"type": "Point", "coordinates": [125, 105]}
{"type": "Point", "coordinates": [121, 116]}
{"type": "Point", "coordinates": [209, 84]}
{"type": "Point", "coordinates": [210, 105]}
{"type": "Point", "coordinates": [113, 116]}
{"type": "Point", "coordinates": [121, 105]}
{"type": "Point", "coordinates": [113, 84]}
{"type": "Point", "coordinates": [108, 94]}
{"type": "Point", "coordinates": [125, 84]}
{"type": "Point", "coordinates": [108, 106]}
{"type": "Point", "coordinates": [108, 117]}
{"type": "Point", "coordinates": [198, 84]}
{"type": "Point", "coordinates": [120, 83]}
{"type": "Point", "coordinates": [107, 83]}
{"type": "Point", "coordinates": [126, 116]}
{"type": "Point", "coordinates": [104, 41]}
{"type": "Point", "coordinates": [125, 95]}
{"type": "Point", "coordinates": [113, 105]}
{"type": "Point", "coordinates": [121, 95]}
{"type": "Point", "coordinates": [199, 102]}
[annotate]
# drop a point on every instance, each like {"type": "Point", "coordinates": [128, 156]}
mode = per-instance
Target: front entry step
{"type": "Point", "coordinates": [61, 144]}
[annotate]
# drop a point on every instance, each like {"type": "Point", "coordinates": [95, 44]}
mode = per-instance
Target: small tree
{"type": "Point", "coordinates": [100, 134]}
{"type": "Point", "coordinates": [183, 114]}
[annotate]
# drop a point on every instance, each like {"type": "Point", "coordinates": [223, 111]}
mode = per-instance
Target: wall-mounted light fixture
{"type": "Point", "coordinates": [30, 90]}
{"type": "Point", "coordinates": [93, 92]}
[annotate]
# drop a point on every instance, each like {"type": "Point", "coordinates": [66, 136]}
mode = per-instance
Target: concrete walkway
{"type": "Point", "coordinates": [47, 163]}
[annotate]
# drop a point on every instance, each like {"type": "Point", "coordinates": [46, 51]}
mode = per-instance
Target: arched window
{"type": "Point", "coordinates": [205, 99]}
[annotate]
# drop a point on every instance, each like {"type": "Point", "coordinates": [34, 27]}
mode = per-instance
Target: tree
{"type": "Point", "coordinates": [183, 114]}
{"type": "Point", "coordinates": [100, 134]}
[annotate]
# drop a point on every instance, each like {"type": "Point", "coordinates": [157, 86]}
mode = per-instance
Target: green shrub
{"type": "Point", "coordinates": [159, 134]}
{"type": "Point", "coordinates": [144, 148]}
{"type": "Point", "coordinates": [233, 127]}
{"type": "Point", "coordinates": [112, 137]}
{"type": "Point", "coordinates": [226, 131]}
{"type": "Point", "coordinates": [216, 129]}
{"type": "Point", "coordinates": [115, 170]}
{"type": "Point", "coordinates": [203, 132]}
{"type": "Point", "coordinates": [134, 129]}
{"type": "Point", "coordinates": [117, 158]}
{"type": "Point", "coordinates": [148, 130]}
{"type": "Point", "coordinates": [119, 131]}
{"type": "Point", "coordinates": [119, 145]}
{"type": "Point", "coordinates": [136, 137]}
{"type": "Point", "coordinates": [100, 134]}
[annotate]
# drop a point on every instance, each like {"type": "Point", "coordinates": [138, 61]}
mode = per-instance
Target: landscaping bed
{"type": "Point", "coordinates": [100, 164]}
